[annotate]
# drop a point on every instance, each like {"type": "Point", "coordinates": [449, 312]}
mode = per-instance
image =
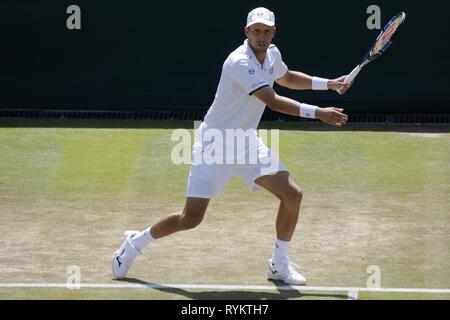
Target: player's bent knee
{"type": "Point", "coordinates": [193, 213]}
{"type": "Point", "coordinates": [293, 195]}
{"type": "Point", "coordinates": [191, 220]}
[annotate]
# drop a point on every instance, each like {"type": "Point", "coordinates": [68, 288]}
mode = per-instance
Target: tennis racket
{"type": "Point", "coordinates": [380, 45]}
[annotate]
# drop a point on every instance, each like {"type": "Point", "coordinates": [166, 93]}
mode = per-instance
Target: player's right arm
{"type": "Point", "coordinates": [275, 102]}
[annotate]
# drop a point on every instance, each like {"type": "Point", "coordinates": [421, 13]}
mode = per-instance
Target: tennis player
{"type": "Point", "coordinates": [245, 88]}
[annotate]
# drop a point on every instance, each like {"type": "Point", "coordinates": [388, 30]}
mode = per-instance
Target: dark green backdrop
{"type": "Point", "coordinates": [168, 54]}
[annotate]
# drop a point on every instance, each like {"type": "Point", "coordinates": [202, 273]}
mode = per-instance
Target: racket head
{"type": "Point", "coordinates": [385, 38]}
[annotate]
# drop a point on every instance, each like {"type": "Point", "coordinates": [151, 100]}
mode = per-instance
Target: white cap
{"type": "Point", "coordinates": [261, 15]}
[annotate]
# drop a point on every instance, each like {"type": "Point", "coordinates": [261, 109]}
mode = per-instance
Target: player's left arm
{"type": "Point", "coordinates": [301, 81]}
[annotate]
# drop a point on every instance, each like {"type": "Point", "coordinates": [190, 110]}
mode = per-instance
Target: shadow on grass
{"type": "Point", "coordinates": [185, 124]}
{"type": "Point", "coordinates": [236, 294]}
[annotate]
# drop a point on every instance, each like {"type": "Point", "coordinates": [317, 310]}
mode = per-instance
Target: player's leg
{"type": "Point", "coordinates": [272, 175]}
{"type": "Point", "coordinates": [283, 186]}
{"type": "Point", "coordinates": [134, 241]}
{"type": "Point", "coordinates": [204, 182]}
{"type": "Point", "coordinates": [191, 216]}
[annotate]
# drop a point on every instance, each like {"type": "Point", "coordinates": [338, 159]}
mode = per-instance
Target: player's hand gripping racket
{"type": "Point", "coordinates": [380, 45]}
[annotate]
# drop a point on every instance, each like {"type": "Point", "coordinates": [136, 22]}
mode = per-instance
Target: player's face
{"type": "Point", "coordinates": [260, 36]}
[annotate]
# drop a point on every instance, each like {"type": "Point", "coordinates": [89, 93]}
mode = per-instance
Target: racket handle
{"type": "Point", "coordinates": [351, 76]}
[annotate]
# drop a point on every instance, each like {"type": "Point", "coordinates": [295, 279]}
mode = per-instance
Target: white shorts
{"type": "Point", "coordinates": [209, 180]}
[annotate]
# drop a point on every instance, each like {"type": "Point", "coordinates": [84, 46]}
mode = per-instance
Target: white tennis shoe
{"type": "Point", "coordinates": [285, 272]}
{"type": "Point", "coordinates": [124, 257]}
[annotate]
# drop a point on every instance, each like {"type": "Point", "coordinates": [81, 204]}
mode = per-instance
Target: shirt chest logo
{"type": "Point", "coordinates": [271, 70]}
{"type": "Point", "coordinates": [251, 71]}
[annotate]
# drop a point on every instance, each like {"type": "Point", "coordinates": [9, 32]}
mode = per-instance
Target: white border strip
{"type": "Point", "coordinates": [216, 287]}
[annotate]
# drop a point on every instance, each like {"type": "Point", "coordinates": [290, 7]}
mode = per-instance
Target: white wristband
{"type": "Point", "coordinates": [307, 111]}
{"type": "Point", "coordinates": [319, 83]}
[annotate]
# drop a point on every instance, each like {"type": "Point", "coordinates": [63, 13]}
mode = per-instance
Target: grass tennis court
{"type": "Point", "coordinates": [373, 195]}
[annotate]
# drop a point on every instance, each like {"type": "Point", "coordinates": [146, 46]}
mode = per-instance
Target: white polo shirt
{"type": "Point", "coordinates": [234, 106]}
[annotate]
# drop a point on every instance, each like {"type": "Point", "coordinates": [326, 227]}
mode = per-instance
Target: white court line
{"type": "Point", "coordinates": [218, 287]}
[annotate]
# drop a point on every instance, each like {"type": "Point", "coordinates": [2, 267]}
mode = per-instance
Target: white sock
{"type": "Point", "coordinates": [280, 251]}
{"type": "Point", "coordinates": [142, 239]}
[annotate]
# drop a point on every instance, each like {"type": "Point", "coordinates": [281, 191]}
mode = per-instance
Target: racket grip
{"type": "Point", "coordinates": [351, 76]}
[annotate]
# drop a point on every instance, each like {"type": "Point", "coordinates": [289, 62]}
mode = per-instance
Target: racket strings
{"type": "Point", "coordinates": [386, 36]}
